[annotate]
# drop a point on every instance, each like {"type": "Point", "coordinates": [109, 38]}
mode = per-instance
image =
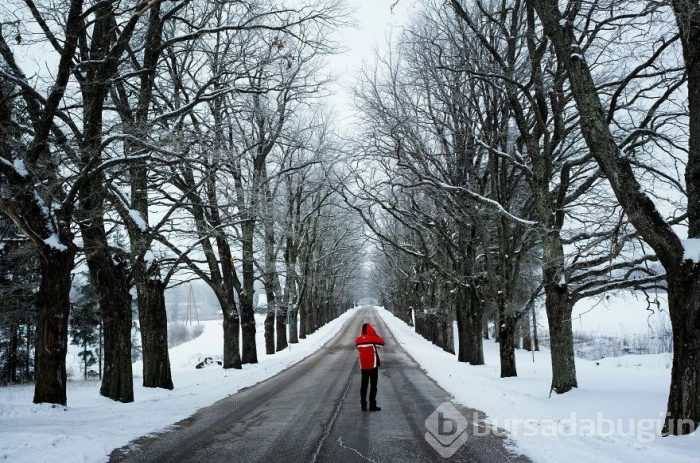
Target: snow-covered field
{"type": "Point", "coordinates": [617, 324]}
{"type": "Point", "coordinates": [619, 389]}
{"type": "Point", "coordinates": [626, 313]}
{"type": "Point", "coordinates": [91, 426]}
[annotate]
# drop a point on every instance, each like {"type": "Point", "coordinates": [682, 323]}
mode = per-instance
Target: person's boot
{"type": "Point", "coordinates": [364, 407]}
{"type": "Point", "coordinates": [374, 408]}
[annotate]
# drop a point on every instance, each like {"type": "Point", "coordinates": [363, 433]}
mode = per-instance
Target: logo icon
{"type": "Point", "coordinates": [446, 430]}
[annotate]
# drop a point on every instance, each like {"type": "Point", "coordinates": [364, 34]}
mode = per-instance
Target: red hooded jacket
{"type": "Point", "coordinates": [366, 345]}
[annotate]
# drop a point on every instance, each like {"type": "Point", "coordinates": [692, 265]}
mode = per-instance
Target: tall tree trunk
{"type": "Point", "coordinates": [27, 356]}
{"type": "Point", "coordinates": [247, 315]}
{"type": "Point", "coordinates": [303, 318]}
{"type": "Point", "coordinates": [448, 334]}
{"type": "Point", "coordinates": [684, 394]}
{"type": "Point", "coordinates": [270, 319]}
{"type": "Point", "coordinates": [294, 298]}
{"type": "Point", "coordinates": [281, 326]}
{"type": "Point", "coordinates": [53, 306]}
{"type": "Point", "coordinates": [109, 276]}
{"type": "Point", "coordinates": [282, 320]}
{"type": "Point", "coordinates": [469, 318]}
{"type": "Point", "coordinates": [153, 323]}
{"type": "Point", "coordinates": [273, 288]}
{"type": "Point", "coordinates": [150, 289]}
{"type": "Point", "coordinates": [293, 335]}
{"type": "Point", "coordinates": [559, 311]}
{"type": "Point", "coordinates": [683, 415]}
{"type": "Point", "coordinates": [526, 330]}
{"type": "Point", "coordinates": [115, 306]}
{"type": "Point", "coordinates": [561, 340]}
{"type": "Point", "coordinates": [100, 350]}
{"type": "Point", "coordinates": [85, 363]}
{"type": "Point", "coordinates": [232, 353]}
{"type": "Point", "coordinates": [150, 292]}
{"type": "Point", "coordinates": [496, 324]}
{"type": "Point", "coordinates": [313, 309]}
{"type": "Point", "coordinates": [108, 271]}
{"type": "Point", "coordinates": [535, 338]}
{"type": "Point", "coordinates": [10, 373]}
{"type": "Point", "coordinates": [506, 345]}
{"type": "Point", "coordinates": [223, 278]}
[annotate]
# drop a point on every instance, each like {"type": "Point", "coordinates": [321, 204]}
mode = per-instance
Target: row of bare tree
{"type": "Point", "coordinates": [153, 142]}
{"type": "Point", "coordinates": [514, 150]}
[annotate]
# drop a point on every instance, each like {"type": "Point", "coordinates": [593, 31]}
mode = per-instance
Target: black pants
{"type": "Point", "coordinates": [371, 377]}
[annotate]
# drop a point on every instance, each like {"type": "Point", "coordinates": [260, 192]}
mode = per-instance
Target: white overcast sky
{"type": "Point", "coordinates": [374, 23]}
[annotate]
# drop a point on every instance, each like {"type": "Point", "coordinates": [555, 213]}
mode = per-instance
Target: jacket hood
{"type": "Point", "coordinates": [368, 329]}
{"type": "Point", "coordinates": [368, 336]}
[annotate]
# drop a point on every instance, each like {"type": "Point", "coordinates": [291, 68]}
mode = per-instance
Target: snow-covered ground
{"type": "Point", "coordinates": [91, 426]}
{"type": "Point", "coordinates": [619, 389]}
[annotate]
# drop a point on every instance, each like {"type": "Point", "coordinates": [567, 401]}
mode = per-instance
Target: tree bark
{"type": "Point", "coordinates": [294, 298]}
{"type": "Point", "coordinates": [109, 276]}
{"type": "Point", "coordinates": [153, 323]}
{"type": "Point", "coordinates": [270, 320]}
{"type": "Point", "coordinates": [293, 334]}
{"type": "Point", "coordinates": [281, 327]}
{"type": "Point", "coordinates": [469, 314]}
{"type": "Point", "coordinates": [684, 396]}
{"type": "Point", "coordinates": [115, 307]}
{"type": "Point", "coordinates": [561, 340]}
{"type": "Point", "coordinates": [232, 353]}
{"type": "Point", "coordinates": [304, 310]}
{"type": "Point", "coordinates": [273, 288]}
{"type": "Point", "coordinates": [535, 338]}
{"type": "Point", "coordinates": [559, 311]}
{"type": "Point", "coordinates": [27, 356]}
{"type": "Point", "coordinates": [10, 367]}
{"type": "Point", "coordinates": [247, 315]}
{"type": "Point", "coordinates": [506, 346]}
{"type": "Point", "coordinates": [53, 305]}
{"type": "Point", "coordinates": [526, 331]}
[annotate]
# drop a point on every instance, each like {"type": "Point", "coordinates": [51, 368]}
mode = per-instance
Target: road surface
{"type": "Point", "coordinates": [311, 412]}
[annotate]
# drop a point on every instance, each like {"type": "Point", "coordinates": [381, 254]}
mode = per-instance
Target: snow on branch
{"type": "Point", "coordinates": [54, 242]}
{"type": "Point", "coordinates": [482, 199]}
{"type": "Point", "coordinates": [138, 220]}
{"type": "Point", "coordinates": [17, 166]}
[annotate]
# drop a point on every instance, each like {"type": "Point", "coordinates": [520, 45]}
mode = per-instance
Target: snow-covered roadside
{"type": "Point", "coordinates": [623, 388]}
{"type": "Point", "coordinates": [91, 426]}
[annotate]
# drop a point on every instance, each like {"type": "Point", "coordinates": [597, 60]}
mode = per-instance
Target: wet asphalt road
{"type": "Point", "coordinates": [311, 412]}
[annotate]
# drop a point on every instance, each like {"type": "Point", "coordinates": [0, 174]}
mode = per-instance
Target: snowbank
{"type": "Point", "coordinates": [91, 426]}
{"type": "Point", "coordinates": [623, 388]}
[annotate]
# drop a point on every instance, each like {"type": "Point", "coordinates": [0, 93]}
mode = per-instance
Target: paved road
{"type": "Point", "coordinates": [311, 412]}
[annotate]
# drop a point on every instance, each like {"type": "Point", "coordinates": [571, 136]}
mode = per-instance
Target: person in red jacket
{"type": "Point", "coordinates": [366, 345]}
